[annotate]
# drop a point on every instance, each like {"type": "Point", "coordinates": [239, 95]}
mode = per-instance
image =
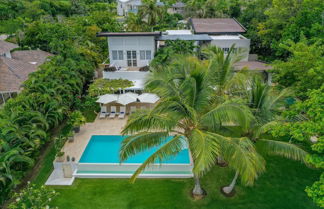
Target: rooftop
{"type": "Point", "coordinates": [111, 34]}
{"type": "Point", "coordinates": [6, 46]}
{"type": "Point", "coordinates": [216, 25]}
{"type": "Point", "coordinates": [35, 57]}
{"type": "Point", "coordinates": [252, 65]}
{"type": "Point", "coordinates": [193, 37]}
{"type": "Point", "coordinates": [13, 73]}
{"type": "Point", "coordinates": [227, 37]}
{"type": "Point", "coordinates": [178, 32]}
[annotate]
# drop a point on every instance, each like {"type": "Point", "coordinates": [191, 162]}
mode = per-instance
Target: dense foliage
{"type": "Point", "coordinates": [106, 86]}
{"type": "Point", "coordinates": [33, 197]}
{"type": "Point", "coordinates": [54, 91]}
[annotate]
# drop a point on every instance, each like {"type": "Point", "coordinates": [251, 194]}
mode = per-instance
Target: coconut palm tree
{"type": "Point", "coordinates": [151, 12]}
{"type": "Point", "coordinates": [265, 102]}
{"type": "Point", "coordinates": [188, 112]}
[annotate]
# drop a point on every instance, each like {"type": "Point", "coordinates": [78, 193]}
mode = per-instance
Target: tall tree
{"type": "Point", "coordinates": [189, 113]}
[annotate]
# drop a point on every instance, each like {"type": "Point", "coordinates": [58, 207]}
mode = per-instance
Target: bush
{"type": "Point", "coordinates": [33, 197]}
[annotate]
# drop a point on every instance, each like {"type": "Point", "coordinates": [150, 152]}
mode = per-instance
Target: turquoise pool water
{"type": "Point", "coordinates": [105, 149]}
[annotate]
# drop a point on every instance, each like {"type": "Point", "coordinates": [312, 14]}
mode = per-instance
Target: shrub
{"type": "Point", "coordinates": [33, 197]}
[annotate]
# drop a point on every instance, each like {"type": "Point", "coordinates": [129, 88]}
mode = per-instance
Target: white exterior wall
{"type": "Point", "coordinates": [131, 43]}
{"type": "Point", "coordinates": [239, 43]}
{"type": "Point", "coordinates": [123, 7]}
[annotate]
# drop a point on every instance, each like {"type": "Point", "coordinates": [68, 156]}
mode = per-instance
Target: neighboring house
{"type": "Point", "coordinates": [126, 6]}
{"type": "Point", "coordinates": [224, 33]}
{"type": "Point", "coordinates": [6, 47]}
{"type": "Point", "coordinates": [131, 6]}
{"type": "Point", "coordinates": [177, 8]}
{"type": "Point", "coordinates": [15, 68]}
{"type": "Point", "coordinates": [131, 49]}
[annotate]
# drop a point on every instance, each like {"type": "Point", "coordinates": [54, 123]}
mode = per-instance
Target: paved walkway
{"type": "Point", "coordinates": [98, 127]}
{"type": "Point", "coordinates": [81, 139]}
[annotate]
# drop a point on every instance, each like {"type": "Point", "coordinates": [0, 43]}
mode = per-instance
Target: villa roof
{"type": "Point", "coordinates": [6, 46]}
{"type": "Point", "coordinates": [188, 37]}
{"type": "Point", "coordinates": [13, 73]}
{"type": "Point", "coordinates": [253, 65]}
{"type": "Point", "coordinates": [216, 25]}
{"type": "Point", "coordinates": [35, 57]}
{"type": "Point", "coordinates": [112, 34]}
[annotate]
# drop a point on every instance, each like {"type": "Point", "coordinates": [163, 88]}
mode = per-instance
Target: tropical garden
{"type": "Point", "coordinates": [259, 144]}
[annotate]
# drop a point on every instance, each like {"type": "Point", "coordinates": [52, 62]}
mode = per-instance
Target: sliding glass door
{"type": "Point", "coordinates": [131, 59]}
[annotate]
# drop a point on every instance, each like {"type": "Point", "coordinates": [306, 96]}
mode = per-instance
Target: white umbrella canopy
{"type": "Point", "coordinates": [148, 98]}
{"type": "Point", "coordinates": [127, 98]}
{"type": "Point", "coordinates": [107, 98]}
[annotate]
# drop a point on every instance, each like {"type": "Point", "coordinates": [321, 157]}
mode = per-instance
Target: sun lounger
{"type": "Point", "coordinates": [132, 109]}
{"type": "Point", "coordinates": [103, 112]}
{"type": "Point", "coordinates": [112, 112]}
{"type": "Point", "coordinates": [122, 112]}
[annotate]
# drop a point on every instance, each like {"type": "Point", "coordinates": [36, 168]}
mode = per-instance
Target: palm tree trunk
{"type": "Point", "coordinates": [197, 189]}
{"type": "Point", "coordinates": [228, 189]}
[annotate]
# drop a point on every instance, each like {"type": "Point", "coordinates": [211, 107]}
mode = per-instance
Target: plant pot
{"type": "Point", "coordinates": [60, 158]}
{"type": "Point", "coordinates": [76, 129]}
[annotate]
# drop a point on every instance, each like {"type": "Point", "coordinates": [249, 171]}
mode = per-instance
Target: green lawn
{"type": "Point", "coordinates": [281, 187]}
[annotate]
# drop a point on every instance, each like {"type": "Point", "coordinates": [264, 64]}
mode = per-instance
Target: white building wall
{"type": "Point", "coordinates": [123, 7]}
{"type": "Point", "coordinates": [131, 43]}
{"type": "Point", "coordinates": [243, 43]}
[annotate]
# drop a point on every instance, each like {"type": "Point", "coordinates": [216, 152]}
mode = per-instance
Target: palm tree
{"type": "Point", "coordinates": [135, 23]}
{"type": "Point", "coordinates": [10, 159]}
{"type": "Point", "coordinates": [188, 112]}
{"type": "Point", "coordinates": [265, 102]}
{"type": "Point", "coordinates": [151, 12]}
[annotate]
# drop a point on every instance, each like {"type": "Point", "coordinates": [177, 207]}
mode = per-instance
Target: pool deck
{"type": "Point", "coordinates": [75, 149]}
{"type": "Point", "coordinates": [98, 127]}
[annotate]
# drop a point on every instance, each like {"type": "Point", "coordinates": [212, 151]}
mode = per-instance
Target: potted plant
{"type": "Point", "coordinates": [60, 156]}
{"type": "Point", "coordinates": [58, 144]}
{"type": "Point", "coordinates": [76, 120]}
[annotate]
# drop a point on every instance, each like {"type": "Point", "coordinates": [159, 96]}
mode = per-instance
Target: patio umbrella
{"type": "Point", "coordinates": [127, 98]}
{"type": "Point", "coordinates": [148, 98]}
{"type": "Point", "coordinates": [107, 98]}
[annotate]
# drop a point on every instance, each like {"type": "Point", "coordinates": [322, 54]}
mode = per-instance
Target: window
{"type": "Point", "coordinates": [148, 55]}
{"type": "Point", "coordinates": [145, 55]}
{"type": "Point", "coordinates": [120, 55]}
{"type": "Point", "coordinates": [117, 55]}
{"type": "Point", "coordinates": [226, 50]}
{"type": "Point", "coordinates": [142, 55]}
{"type": "Point", "coordinates": [114, 54]}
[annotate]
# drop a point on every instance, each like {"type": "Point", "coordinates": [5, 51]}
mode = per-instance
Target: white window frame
{"type": "Point", "coordinates": [145, 54]}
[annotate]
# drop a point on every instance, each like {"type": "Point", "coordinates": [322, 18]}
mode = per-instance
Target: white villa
{"type": "Point", "coordinates": [130, 51]}
{"type": "Point", "coordinates": [130, 6]}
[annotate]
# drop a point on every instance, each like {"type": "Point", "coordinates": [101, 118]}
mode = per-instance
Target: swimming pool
{"type": "Point", "coordinates": [101, 159]}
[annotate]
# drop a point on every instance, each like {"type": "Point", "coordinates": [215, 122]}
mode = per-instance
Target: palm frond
{"type": "Point", "coordinates": [204, 149]}
{"type": "Point", "coordinates": [139, 142]}
{"type": "Point", "coordinates": [170, 148]}
{"type": "Point", "coordinates": [280, 148]}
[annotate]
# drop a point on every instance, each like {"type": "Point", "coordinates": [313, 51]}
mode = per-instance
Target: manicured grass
{"type": "Point", "coordinates": [281, 187]}
{"type": "Point", "coordinates": [46, 167]}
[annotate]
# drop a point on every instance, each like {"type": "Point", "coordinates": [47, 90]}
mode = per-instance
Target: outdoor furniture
{"type": "Point", "coordinates": [103, 112]}
{"type": "Point", "coordinates": [112, 112]}
{"type": "Point", "coordinates": [132, 109]}
{"type": "Point", "coordinates": [122, 113]}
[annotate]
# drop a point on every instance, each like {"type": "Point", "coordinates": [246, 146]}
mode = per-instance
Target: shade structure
{"type": "Point", "coordinates": [107, 98]}
{"type": "Point", "coordinates": [127, 98]}
{"type": "Point", "coordinates": [148, 98]}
